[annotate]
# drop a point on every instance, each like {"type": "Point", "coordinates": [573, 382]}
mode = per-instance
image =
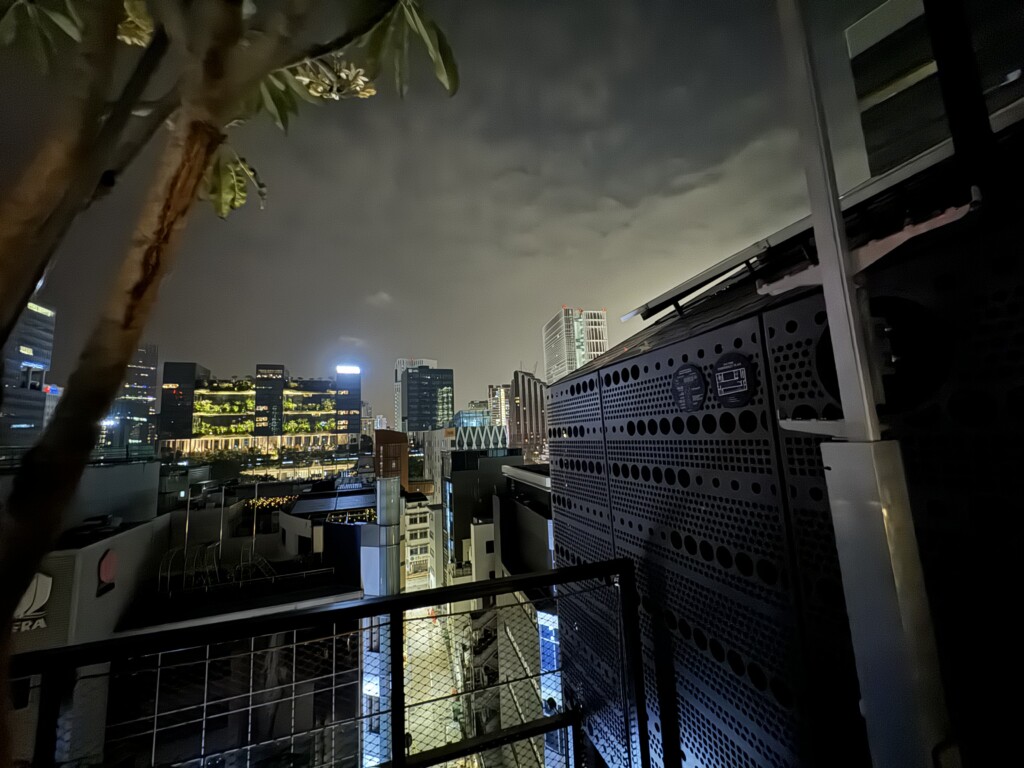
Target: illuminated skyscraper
{"type": "Point", "coordinates": [26, 362]}
{"type": "Point", "coordinates": [131, 420]}
{"type": "Point", "coordinates": [572, 338]}
{"type": "Point", "coordinates": [348, 400]}
{"type": "Point", "coordinates": [400, 366]}
{"type": "Point", "coordinates": [270, 380]}
{"type": "Point", "coordinates": [527, 422]}
{"type": "Point", "coordinates": [428, 398]}
{"type": "Point", "coordinates": [497, 403]}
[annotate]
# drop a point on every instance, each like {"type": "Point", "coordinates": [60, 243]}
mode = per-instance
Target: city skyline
{"type": "Point", "coordinates": [460, 224]}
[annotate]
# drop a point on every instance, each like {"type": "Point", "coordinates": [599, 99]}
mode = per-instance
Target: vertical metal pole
{"type": "Point", "coordinates": [220, 538]}
{"type": "Point", "coordinates": [295, 662]}
{"type": "Point", "coordinates": [334, 695]}
{"type": "Point", "coordinates": [845, 323]}
{"type": "Point", "coordinates": [206, 698]}
{"type": "Point", "coordinates": [962, 94]}
{"type": "Point", "coordinates": [156, 706]}
{"type": "Point", "coordinates": [52, 686]}
{"type": "Point", "coordinates": [633, 658]}
{"type": "Point", "coordinates": [188, 513]}
{"type": "Point", "coordinates": [397, 646]}
{"type": "Point", "coordinates": [894, 648]}
{"type": "Point", "coordinates": [255, 511]}
{"type": "Point", "coordinates": [252, 714]}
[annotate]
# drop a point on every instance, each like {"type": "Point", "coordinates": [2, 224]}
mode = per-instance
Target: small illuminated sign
{"type": "Point", "coordinates": [26, 350]}
{"type": "Point", "coordinates": [348, 369]}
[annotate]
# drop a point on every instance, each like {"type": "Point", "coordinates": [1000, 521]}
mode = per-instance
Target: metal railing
{"type": "Point", "coordinates": [11, 456]}
{"type": "Point", "coordinates": [392, 681]}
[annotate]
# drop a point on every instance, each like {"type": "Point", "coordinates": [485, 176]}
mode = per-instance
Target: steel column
{"type": "Point", "coordinates": [396, 648]}
{"type": "Point", "coordinates": [894, 647]}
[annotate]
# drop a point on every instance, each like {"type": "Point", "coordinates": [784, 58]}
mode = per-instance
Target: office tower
{"type": "Point", "coordinates": [497, 403]}
{"type": "Point", "coordinates": [270, 411]}
{"type": "Point", "coordinates": [366, 419]}
{"type": "Point", "coordinates": [476, 415]}
{"type": "Point", "coordinates": [400, 366]}
{"type": "Point", "coordinates": [27, 356]}
{"type": "Point", "coordinates": [527, 423]}
{"type": "Point", "coordinates": [348, 401]}
{"type": "Point", "coordinates": [131, 417]}
{"type": "Point", "coordinates": [572, 338]}
{"type": "Point", "coordinates": [428, 398]}
{"type": "Point", "coordinates": [177, 399]}
{"type": "Point", "coordinates": [269, 401]}
{"type": "Point", "coordinates": [380, 421]}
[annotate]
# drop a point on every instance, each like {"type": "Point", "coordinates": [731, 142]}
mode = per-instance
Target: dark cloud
{"type": "Point", "coordinates": [598, 153]}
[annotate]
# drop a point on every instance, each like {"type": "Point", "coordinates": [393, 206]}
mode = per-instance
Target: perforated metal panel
{"type": "Point", "coordinates": [589, 623]}
{"type": "Point", "coordinates": [804, 384]}
{"type": "Point", "coordinates": [699, 499]}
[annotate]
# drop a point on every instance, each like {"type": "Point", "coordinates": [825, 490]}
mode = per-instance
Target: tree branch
{"type": "Point", "coordinates": [143, 130]}
{"type": "Point", "coordinates": [77, 196]}
{"type": "Point", "coordinates": [42, 184]}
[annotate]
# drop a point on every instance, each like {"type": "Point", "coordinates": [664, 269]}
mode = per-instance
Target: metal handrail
{"type": "Point", "coordinates": [154, 639]}
{"type": "Point", "coordinates": [617, 574]}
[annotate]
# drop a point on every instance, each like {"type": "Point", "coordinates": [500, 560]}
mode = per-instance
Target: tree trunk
{"type": "Point", "coordinates": [50, 471]}
{"type": "Point", "coordinates": [41, 185]}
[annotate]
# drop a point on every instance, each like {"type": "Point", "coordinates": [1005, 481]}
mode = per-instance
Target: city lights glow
{"type": "Point", "coordinates": [348, 369]}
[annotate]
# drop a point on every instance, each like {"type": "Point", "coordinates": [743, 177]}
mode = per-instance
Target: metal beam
{"type": "Point", "coordinates": [842, 306]}
{"type": "Point", "coordinates": [396, 648]}
{"type": "Point", "coordinates": [153, 639]}
{"type": "Point", "coordinates": [893, 643]}
{"type": "Point", "coordinates": [487, 741]}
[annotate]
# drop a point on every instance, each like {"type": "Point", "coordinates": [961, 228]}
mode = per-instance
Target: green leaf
{"type": "Point", "coordinates": [438, 48]}
{"type": "Point", "coordinates": [73, 14]}
{"type": "Point", "coordinates": [401, 59]}
{"type": "Point", "coordinates": [64, 23]}
{"type": "Point", "coordinates": [297, 88]}
{"type": "Point", "coordinates": [281, 121]}
{"type": "Point", "coordinates": [37, 40]}
{"type": "Point", "coordinates": [448, 62]}
{"type": "Point", "coordinates": [9, 24]}
{"type": "Point", "coordinates": [226, 182]}
{"type": "Point", "coordinates": [378, 43]}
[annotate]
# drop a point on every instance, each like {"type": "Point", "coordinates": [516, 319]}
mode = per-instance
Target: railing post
{"type": "Point", "coordinates": [396, 640]}
{"type": "Point", "coordinates": [629, 602]}
{"type": "Point", "coordinates": [52, 686]}
{"type": "Point", "coordinates": [902, 699]}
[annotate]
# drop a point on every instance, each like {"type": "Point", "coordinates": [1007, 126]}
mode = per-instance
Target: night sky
{"type": "Point", "coordinates": [598, 153]}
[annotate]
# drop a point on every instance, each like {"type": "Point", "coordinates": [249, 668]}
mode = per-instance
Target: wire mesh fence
{"type": "Point", "coordinates": [473, 682]}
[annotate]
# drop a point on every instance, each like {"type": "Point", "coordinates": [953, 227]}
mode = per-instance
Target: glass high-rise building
{"type": "Point", "coordinates": [27, 356]}
{"type": "Point", "coordinates": [527, 422]}
{"type": "Point", "coordinates": [401, 364]}
{"type": "Point", "coordinates": [132, 417]}
{"type": "Point", "coordinates": [572, 338]}
{"type": "Point", "coordinates": [428, 398]}
{"type": "Point", "coordinates": [269, 412]}
{"type": "Point", "coordinates": [270, 381]}
{"type": "Point", "coordinates": [177, 396]}
{"type": "Point", "coordinates": [348, 400]}
{"type": "Point", "coordinates": [497, 403]}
